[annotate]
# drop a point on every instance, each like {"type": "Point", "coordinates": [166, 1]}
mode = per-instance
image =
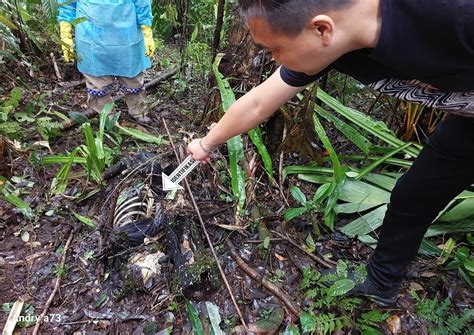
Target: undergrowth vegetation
{"type": "Point", "coordinates": [337, 192]}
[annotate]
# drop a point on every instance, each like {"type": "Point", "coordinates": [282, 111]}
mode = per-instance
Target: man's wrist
{"type": "Point", "coordinates": [206, 148]}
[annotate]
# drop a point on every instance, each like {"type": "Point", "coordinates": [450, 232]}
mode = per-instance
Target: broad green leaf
{"type": "Point", "coordinates": [84, 219]}
{"type": "Point", "coordinates": [194, 318]}
{"type": "Point", "coordinates": [292, 213]}
{"type": "Point", "coordinates": [359, 192]}
{"type": "Point", "coordinates": [469, 265]}
{"type": "Point", "coordinates": [462, 253]}
{"type": "Point", "coordinates": [214, 318]}
{"type": "Point", "coordinates": [23, 206]}
{"type": "Point", "coordinates": [383, 181]}
{"type": "Point", "coordinates": [349, 208]}
{"type": "Point", "coordinates": [366, 223]}
{"type": "Point", "coordinates": [368, 240]}
{"type": "Point", "coordinates": [316, 179]}
{"type": "Point", "coordinates": [340, 287]}
{"type": "Point", "coordinates": [298, 195]}
{"type": "Point", "coordinates": [291, 330]}
{"type": "Point", "coordinates": [321, 193]}
{"type": "Point", "coordinates": [462, 210]}
{"type": "Point", "coordinates": [464, 226]}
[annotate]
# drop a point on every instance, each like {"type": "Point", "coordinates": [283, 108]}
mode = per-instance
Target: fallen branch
{"type": "Point", "coordinates": [221, 271]}
{"type": "Point", "coordinates": [55, 65]}
{"type": "Point", "coordinates": [56, 285]}
{"type": "Point", "coordinates": [295, 309]}
{"type": "Point", "coordinates": [327, 263]}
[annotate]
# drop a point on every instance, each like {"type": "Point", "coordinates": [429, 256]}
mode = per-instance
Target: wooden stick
{"type": "Point", "coordinates": [295, 309]}
{"type": "Point", "coordinates": [327, 263]}
{"type": "Point", "coordinates": [208, 238]}
{"type": "Point", "coordinates": [56, 69]}
{"type": "Point", "coordinates": [56, 286]}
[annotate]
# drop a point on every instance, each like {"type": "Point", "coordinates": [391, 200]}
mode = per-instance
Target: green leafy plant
{"type": "Point", "coordinates": [463, 262]}
{"type": "Point", "coordinates": [442, 321]}
{"type": "Point", "coordinates": [10, 193]}
{"type": "Point", "coordinates": [235, 144]}
{"type": "Point", "coordinates": [322, 324]}
{"type": "Point", "coordinates": [368, 322]}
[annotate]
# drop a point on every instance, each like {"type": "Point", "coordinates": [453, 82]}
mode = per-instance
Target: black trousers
{"type": "Point", "coordinates": [444, 168]}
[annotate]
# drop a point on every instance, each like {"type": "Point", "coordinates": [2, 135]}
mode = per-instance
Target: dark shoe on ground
{"type": "Point", "coordinates": [368, 289]}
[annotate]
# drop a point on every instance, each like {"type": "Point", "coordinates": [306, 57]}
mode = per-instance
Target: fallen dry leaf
{"type": "Point", "coordinates": [394, 324]}
{"type": "Point", "coordinates": [414, 286]}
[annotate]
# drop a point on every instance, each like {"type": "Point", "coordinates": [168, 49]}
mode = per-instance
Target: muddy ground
{"type": "Point", "coordinates": [98, 293]}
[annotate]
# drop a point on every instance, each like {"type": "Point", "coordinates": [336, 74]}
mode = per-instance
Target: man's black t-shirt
{"type": "Point", "coordinates": [425, 54]}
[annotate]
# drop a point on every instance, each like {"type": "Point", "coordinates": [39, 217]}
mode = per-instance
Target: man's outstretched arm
{"type": "Point", "coordinates": [246, 113]}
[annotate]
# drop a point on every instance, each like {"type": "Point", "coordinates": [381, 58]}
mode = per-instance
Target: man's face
{"type": "Point", "coordinates": [303, 53]}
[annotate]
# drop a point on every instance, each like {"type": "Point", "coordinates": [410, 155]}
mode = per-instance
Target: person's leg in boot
{"type": "Point", "coordinates": [98, 91]}
{"type": "Point", "coordinates": [444, 168]}
{"type": "Point", "coordinates": [134, 93]}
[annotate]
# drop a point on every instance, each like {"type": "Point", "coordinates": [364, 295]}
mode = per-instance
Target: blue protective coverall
{"type": "Point", "coordinates": [108, 38]}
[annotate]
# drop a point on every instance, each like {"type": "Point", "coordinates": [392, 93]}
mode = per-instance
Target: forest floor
{"type": "Point", "coordinates": [100, 292]}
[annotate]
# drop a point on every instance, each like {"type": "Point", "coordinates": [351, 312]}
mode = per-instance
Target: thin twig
{"type": "Point", "coordinates": [207, 236]}
{"type": "Point", "coordinates": [55, 65]}
{"type": "Point", "coordinates": [327, 263]}
{"type": "Point", "coordinates": [268, 285]}
{"type": "Point", "coordinates": [56, 285]}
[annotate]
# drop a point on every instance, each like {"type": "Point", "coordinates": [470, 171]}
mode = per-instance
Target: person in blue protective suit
{"type": "Point", "coordinates": [113, 39]}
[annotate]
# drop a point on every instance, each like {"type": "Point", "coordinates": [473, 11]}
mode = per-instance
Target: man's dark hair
{"type": "Point", "coordinates": [289, 16]}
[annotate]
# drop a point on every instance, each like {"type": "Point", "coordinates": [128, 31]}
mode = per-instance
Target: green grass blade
{"type": "Point", "coordinates": [256, 138]}
{"type": "Point", "coordinates": [93, 152]}
{"type": "Point", "coordinates": [84, 219]}
{"type": "Point", "coordinates": [338, 173]}
{"type": "Point", "coordinates": [140, 135]}
{"type": "Point", "coordinates": [347, 130]}
{"type": "Point", "coordinates": [379, 161]}
{"type": "Point", "coordinates": [61, 159]}
{"type": "Point", "coordinates": [234, 145]}
{"type": "Point", "coordinates": [391, 161]}
{"type": "Point", "coordinates": [193, 315]}
{"type": "Point", "coordinates": [306, 170]}
{"type": "Point", "coordinates": [60, 181]}
{"type": "Point", "coordinates": [16, 201]}
{"type": "Point", "coordinates": [376, 128]}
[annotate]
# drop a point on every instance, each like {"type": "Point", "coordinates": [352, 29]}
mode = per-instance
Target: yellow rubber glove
{"type": "Point", "coordinates": [148, 39]}
{"type": "Point", "coordinates": [67, 43]}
